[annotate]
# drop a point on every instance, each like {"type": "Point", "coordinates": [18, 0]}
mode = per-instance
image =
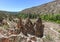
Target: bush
{"type": "Point", "coordinates": [51, 17]}
{"type": "Point", "coordinates": [32, 16]}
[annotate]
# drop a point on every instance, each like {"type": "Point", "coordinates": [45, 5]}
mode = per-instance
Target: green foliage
{"type": "Point", "coordinates": [27, 15]}
{"type": "Point", "coordinates": [46, 17]}
{"type": "Point", "coordinates": [51, 17]}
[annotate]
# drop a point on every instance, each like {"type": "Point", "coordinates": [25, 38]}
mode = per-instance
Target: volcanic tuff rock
{"type": "Point", "coordinates": [48, 8]}
{"type": "Point", "coordinates": [30, 28]}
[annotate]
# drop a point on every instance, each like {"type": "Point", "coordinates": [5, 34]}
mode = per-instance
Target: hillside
{"type": "Point", "coordinates": [7, 12]}
{"type": "Point", "coordinates": [4, 14]}
{"type": "Point", "coordinates": [48, 8]}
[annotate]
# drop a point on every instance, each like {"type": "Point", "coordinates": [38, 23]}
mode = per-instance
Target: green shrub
{"type": "Point", "coordinates": [51, 17]}
{"type": "Point", "coordinates": [32, 16]}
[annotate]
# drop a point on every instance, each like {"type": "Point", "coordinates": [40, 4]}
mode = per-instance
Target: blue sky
{"type": "Point", "coordinates": [18, 5]}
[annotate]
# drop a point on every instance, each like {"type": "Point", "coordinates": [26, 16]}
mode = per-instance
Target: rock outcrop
{"type": "Point", "coordinates": [29, 26]}
{"type": "Point", "coordinates": [23, 31]}
{"type": "Point", "coordinates": [21, 27]}
{"type": "Point", "coordinates": [39, 28]}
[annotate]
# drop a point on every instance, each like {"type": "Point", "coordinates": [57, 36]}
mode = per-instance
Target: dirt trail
{"type": "Point", "coordinates": [51, 29]}
{"type": "Point", "coordinates": [52, 25]}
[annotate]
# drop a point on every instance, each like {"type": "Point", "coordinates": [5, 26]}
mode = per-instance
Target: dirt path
{"type": "Point", "coordinates": [51, 29]}
{"type": "Point", "coordinates": [52, 25]}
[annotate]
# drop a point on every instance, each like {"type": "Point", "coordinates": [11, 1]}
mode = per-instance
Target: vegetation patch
{"type": "Point", "coordinates": [51, 17]}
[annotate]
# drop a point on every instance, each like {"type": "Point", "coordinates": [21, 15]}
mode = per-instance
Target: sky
{"type": "Point", "coordinates": [18, 5]}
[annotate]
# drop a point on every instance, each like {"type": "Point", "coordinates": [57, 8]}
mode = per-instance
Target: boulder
{"type": "Point", "coordinates": [39, 28]}
{"type": "Point", "coordinates": [21, 27]}
{"type": "Point", "coordinates": [29, 27]}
